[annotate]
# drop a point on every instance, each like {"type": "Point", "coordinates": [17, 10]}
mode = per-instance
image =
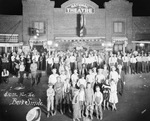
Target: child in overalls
{"type": "Point", "coordinates": [50, 99]}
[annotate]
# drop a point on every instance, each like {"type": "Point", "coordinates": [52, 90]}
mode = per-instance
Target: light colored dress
{"type": "Point", "coordinates": [113, 93]}
{"type": "Point", "coordinates": [76, 107]}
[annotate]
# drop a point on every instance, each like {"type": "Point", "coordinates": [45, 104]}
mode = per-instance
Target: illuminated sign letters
{"type": "Point", "coordinates": [78, 8]}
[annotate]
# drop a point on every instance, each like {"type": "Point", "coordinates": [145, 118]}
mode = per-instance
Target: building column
{"type": "Point", "coordinates": [12, 48]}
{"type": "Point", "coordinates": [6, 49]}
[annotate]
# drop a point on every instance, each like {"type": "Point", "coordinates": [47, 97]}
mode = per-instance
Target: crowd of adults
{"type": "Point", "coordinates": [82, 80]}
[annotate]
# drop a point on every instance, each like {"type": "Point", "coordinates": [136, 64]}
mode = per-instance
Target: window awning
{"type": "Point", "coordinates": [144, 42]}
{"type": "Point", "coordinates": [11, 44]}
{"type": "Point", "coordinates": [119, 38]}
{"type": "Point", "coordinates": [37, 40]}
{"type": "Point", "coordinates": [73, 39]}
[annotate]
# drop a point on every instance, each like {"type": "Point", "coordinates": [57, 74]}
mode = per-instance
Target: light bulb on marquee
{"type": "Point", "coordinates": [49, 42]}
{"type": "Point", "coordinates": [141, 44]}
{"type": "Point", "coordinates": [56, 45]}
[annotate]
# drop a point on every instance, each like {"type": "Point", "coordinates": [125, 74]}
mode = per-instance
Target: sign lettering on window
{"type": "Point", "coordinates": [40, 26]}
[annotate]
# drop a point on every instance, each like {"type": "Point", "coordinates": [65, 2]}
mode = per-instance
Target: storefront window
{"type": "Point", "coordinates": [119, 27]}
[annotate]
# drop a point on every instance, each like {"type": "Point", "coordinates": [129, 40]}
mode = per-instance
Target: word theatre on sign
{"type": "Point", "coordinates": [78, 8]}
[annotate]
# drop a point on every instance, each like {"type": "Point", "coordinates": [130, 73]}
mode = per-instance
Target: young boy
{"type": "Point", "coordinates": [89, 101]}
{"type": "Point", "coordinates": [74, 77]}
{"type": "Point", "coordinates": [59, 93]}
{"type": "Point", "coordinates": [50, 99]}
{"type": "Point", "coordinates": [53, 77]}
{"type": "Point", "coordinates": [67, 96]}
{"type": "Point", "coordinates": [81, 81]}
{"type": "Point", "coordinates": [98, 99]}
{"type": "Point", "coordinates": [106, 90]}
{"type": "Point", "coordinates": [5, 74]}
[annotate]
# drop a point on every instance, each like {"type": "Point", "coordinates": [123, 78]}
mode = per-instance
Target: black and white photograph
{"type": "Point", "coordinates": [74, 60]}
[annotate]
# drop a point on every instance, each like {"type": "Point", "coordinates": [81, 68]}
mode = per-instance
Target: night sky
{"type": "Point", "coordinates": [14, 7]}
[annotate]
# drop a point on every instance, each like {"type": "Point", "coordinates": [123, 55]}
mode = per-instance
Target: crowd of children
{"type": "Point", "coordinates": [81, 94]}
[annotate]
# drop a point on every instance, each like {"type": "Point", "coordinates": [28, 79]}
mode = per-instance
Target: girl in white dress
{"type": "Point", "coordinates": [90, 78]}
{"type": "Point", "coordinates": [113, 94]}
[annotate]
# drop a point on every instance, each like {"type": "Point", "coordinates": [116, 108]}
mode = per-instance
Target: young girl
{"type": "Point", "coordinates": [100, 77]}
{"type": "Point", "coordinates": [82, 99]}
{"type": "Point", "coordinates": [106, 90]}
{"type": "Point", "coordinates": [113, 94]}
{"type": "Point", "coordinates": [90, 78]}
{"type": "Point", "coordinates": [98, 103]}
{"type": "Point", "coordinates": [50, 99]}
{"type": "Point", "coordinates": [76, 106]}
{"type": "Point", "coordinates": [114, 75]}
{"type": "Point", "coordinates": [89, 101]}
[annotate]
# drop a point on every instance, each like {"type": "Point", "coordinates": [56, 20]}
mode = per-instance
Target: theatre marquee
{"type": "Point", "coordinates": [78, 8]}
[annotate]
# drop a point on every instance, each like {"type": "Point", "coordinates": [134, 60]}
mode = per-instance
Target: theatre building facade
{"type": "Point", "coordinates": [77, 24]}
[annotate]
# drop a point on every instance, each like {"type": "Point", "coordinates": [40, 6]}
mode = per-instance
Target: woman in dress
{"type": "Point", "coordinates": [76, 107]}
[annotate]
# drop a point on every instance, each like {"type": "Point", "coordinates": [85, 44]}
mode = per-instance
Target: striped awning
{"type": "Point", "coordinates": [37, 40]}
{"type": "Point", "coordinates": [79, 39]}
{"type": "Point", "coordinates": [120, 39]}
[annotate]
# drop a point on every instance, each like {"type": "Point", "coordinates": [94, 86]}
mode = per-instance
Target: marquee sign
{"type": "Point", "coordinates": [78, 8]}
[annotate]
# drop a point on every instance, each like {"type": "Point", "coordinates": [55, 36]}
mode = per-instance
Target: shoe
{"type": "Point", "coordinates": [91, 117]}
{"type": "Point", "coordinates": [61, 112]}
{"type": "Point", "coordinates": [101, 118]}
{"type": "Point", "coordinates": [48, 115]}
{"type": "Point", "coordinates": [108, 108]}
{"type": "Point", "coordinates": [54, 113]}
{"type": "Point", "coordinates": [78, 119]}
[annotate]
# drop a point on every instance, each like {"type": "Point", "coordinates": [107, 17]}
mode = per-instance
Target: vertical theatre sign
{"type": "Point", "coordinates": [79, 8]}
